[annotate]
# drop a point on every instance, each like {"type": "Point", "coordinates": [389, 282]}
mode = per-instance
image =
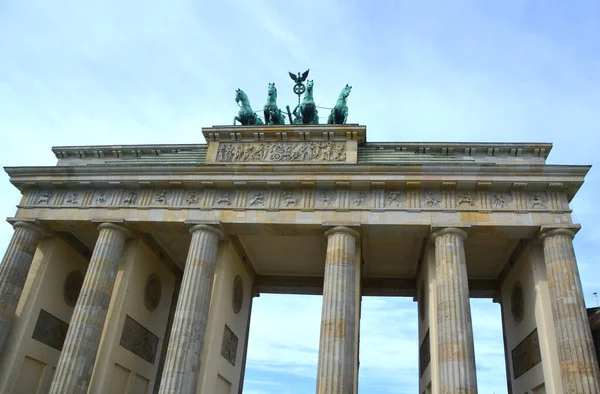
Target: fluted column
{"type": "Point", "coordinates": [182, 365]}
{"type": "Point", "coordinates": [456, 353]}
{"type": "Point", "coordinates": [76, 362]}
{"type": "Point", "coordinates": [336, 346]}
{"type": "Point", "coordinates": [578, 364]}
{"type": "Point", "coordinates": [14, 270]}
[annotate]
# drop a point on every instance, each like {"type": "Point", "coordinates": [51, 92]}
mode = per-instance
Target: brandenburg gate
{"type": "Point", "coordinates": [132, 269]}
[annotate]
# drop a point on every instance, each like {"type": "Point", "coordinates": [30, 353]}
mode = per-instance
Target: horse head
{"type": "Point", "coordinates": [272, 90]}
{"type": "Point", "coordinates": [346, 91]}
{"type": "Point", "coordinates": [309, 84]}
{"type": "Point", "coordinates": [240, 96]}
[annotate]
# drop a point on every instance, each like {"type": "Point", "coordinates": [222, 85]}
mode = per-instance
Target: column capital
{"type": "Point", "coordinates": [115, 227]}
{"type": "Point", "coordinates": [553, 232]}
{"type": "Point", "coordinates": [342, 229]}
{"type": "Point", "coordinates": [206, 227]}
{"type": "Point", "coordinates": [30, 226]}
{"type": "Point", "coordinates": [449, 230]}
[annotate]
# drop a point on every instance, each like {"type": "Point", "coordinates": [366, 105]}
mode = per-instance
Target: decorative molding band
{"type": "Point", "coordinates": [308, 198]}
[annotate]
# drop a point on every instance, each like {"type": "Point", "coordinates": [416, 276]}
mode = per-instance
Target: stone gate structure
{"type": "Point", "coordinates": [132, 269]}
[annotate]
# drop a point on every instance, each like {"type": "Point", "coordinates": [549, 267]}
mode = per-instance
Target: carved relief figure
{"type": "Point", "coordinates": [326, 197]}
{"type": "Point", "coordinates": [499, 200]}
{"type": "Point", "coordinates": [224, 199]}
{"type": "Point", "coordinates": [192, 199]}
{"type": "Point", "coordinates": [73, 199]}
{"type": "Point", "coordinates": [130, 199]}
{"type": "Point", "coordinates": [431, 200]}
{"type": "Point", "coordinates": [258, 200]}
{"type": "Point", "coordinates": [288, 199]}
{"type": "Point", "coordinates": [161, 197]}
{"type": "Point", "coordinates": [466, 199]}
{"type": "Point", "coordinates": [536, 201]}
{"type": "Point", "coordinates": [360, 200]}
{"type": "Point", "coordinates": [396, 198]}
{"type": "Point", "coordinates": [101, 199]}
{"type": "Point", "coordinates": [45, 198]}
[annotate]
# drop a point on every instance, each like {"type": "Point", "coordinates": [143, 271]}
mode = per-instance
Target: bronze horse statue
{"type": "Point", "coordinates": [306, 112]}
{"type": "Point", "coordinates": [339, 113]}
{"type": "Point", "coordinates": [273, 115]}
{"type": "Point", "coordinates": [246, 115]}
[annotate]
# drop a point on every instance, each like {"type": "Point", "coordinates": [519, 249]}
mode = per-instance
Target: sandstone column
{"type": "Point", "coordinates": [182, 365]}
{"type": "Point", "coordinates": [578, 364]}
{"type": "Point", "coordinates": [76, 362]}
{"type": "Point", "coordinates": [14, 270]}
{"type": "Point", "coordinates": [336, 346]}
{"type": "Point", "coordinates": [456, 352]}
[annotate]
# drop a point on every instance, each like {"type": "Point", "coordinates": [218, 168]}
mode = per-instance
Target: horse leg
{"type": "Point", "coordinates": [236, 118]}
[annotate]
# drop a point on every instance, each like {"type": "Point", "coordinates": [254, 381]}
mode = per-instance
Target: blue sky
{"type": "Point", "coordinates": [114, 72]}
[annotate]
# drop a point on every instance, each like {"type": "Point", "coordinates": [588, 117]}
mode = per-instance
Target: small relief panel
{"type": "Point", "coordinates": [139, 340]}
{"type": "Point", "coordinates": [465, 200]}
{"type": "Point", "coordinates": [326, 199]}
{"type": "Point", "coordinates": [290, 199]}
{"type": "Point", "coordinates": [192, 198]}
{"type": "Point", "coordinates": [50, 330]}
{"type": "Point", "coordinates": [102, 197]}
{"type": "Point", "coordinates": [526, 354]}
{"type": "Point", "coordinates": [229, 345]}
{"type": "Point", "coordinates": [431, 199]}
{"type": "Point", "coordinates": [395, 199]}
{"type": "Point", "coordinates": [501, 200]}
{"type": "Point", "coordinates": [73, 198]}
{"type": "Point", "coordinates": [537, 200]}
{"type": "Point", "coordinates": [161, 198]}
{"type": "Point", "coordinates": [360, 199]}
{"type": "Point", "coordinates": [257, 199]}
{"type": "Point", "coordinates": [224, 198]}
{"type": "Point", "coordinates": [424, 354]}
{"type": "Point", "coordinates": [45, 197]}
{"type": "Point", "coordinates": [130, 197]}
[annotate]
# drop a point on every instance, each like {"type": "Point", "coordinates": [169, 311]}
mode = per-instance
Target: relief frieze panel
{"type": "Point", "coordinates": [277, 198]}
{"type": "Point", "coordinates": [261, 152]}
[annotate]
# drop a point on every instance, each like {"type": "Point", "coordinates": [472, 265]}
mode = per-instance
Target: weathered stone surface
{"type": "Point", "coordinates": [455, 331]}
{"type": "Point", "coordinates": [74, 369]}
{"type": "Point", "coordinates": [578, 364]}
{"type": "Point", "coordinates": [13, 272]}
{"type": "Point", "coordinates": [335, 373]}
{"type": "Point", "coordinates": [526, 354]}
{"type": "Point", "coordinates": [182, 365]}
